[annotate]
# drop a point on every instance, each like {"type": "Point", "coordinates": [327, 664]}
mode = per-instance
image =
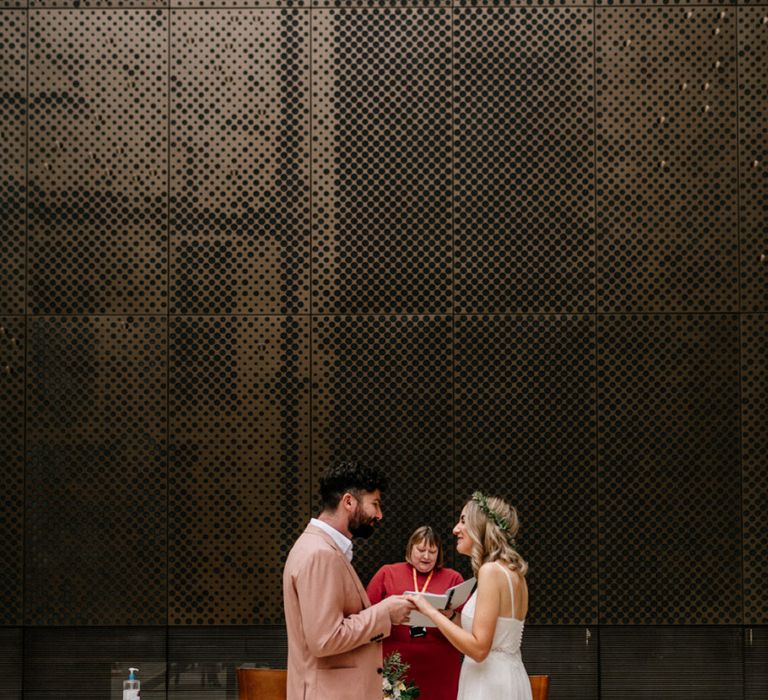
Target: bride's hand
{"type": "Point", "coordinates": [424, 606]}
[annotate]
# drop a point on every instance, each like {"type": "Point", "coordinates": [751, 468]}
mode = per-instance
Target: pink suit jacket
{"type": "Point", "coordinates": [334, 635]}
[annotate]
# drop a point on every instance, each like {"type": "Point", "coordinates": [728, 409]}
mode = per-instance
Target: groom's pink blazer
{"type": "Point", "coordinates": [334, 635]}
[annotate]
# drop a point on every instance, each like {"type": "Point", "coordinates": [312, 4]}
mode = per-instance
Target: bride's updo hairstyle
{"type": "Point", "coordinates": [492, 524]}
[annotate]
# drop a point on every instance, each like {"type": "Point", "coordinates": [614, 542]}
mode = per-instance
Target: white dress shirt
{"type": "Point", "coordinates": [345, 544]}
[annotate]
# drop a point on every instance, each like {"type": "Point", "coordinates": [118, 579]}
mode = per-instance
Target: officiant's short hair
{"type": "Point", "coordinates": [349, 477]}
{"type": "Point", "coordinates": [427, 534]}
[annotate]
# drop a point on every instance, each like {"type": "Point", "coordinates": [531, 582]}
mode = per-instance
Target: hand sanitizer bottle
{"type": "Point", "coordinates": [132, 687]}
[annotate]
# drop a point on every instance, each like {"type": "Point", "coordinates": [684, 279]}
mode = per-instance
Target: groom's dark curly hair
{"type": "Point", "coordinates": [349, 477]}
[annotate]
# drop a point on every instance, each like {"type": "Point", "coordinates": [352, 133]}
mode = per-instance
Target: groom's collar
{"type": "Point", "coordinates": [343, 542]}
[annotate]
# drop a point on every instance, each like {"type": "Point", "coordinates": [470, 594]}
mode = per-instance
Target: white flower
{"type": "Point", "coordinates": [386, 684]}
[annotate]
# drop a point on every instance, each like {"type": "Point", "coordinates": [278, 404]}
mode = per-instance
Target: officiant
{"type": "Point", "coordinates": [435, 664]}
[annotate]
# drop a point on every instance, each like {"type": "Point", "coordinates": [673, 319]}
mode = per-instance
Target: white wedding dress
{"type": "Point", "coordinates": [502, 675]}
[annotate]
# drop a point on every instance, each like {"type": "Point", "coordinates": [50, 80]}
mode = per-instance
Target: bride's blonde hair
{"type": "Point", "coordinates": [492, 524]}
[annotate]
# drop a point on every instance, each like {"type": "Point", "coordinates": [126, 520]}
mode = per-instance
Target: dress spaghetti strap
{"type": "Point", "coordinates": [511, 587]}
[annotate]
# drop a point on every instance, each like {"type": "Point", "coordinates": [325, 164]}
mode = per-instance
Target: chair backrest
{"type": "Point", "coordinates": [261, 683]}
{"type": "Point", "coordinates": [540, 687]}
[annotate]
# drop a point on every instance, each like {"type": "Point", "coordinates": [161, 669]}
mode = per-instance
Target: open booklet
{"type": "Point", "coordinates": [451, 599]}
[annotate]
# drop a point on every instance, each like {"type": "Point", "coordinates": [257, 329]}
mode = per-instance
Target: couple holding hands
{"type": "Point", "coordinates": [336, 627]}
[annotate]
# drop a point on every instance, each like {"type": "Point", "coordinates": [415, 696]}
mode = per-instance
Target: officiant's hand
{"type": "Point", "coordinates": [399, 608]}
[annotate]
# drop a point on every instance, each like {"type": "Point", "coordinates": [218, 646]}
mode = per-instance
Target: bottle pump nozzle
{"type": "Point", "coordinates": [132, 677]}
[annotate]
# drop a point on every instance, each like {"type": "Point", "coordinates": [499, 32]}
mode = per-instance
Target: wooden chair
{"type": "Point", "coordinates": [261, 683]}
{"type": "Point", "coordinates": [540, 687]}
{"type": "Point", "coordinates": [269, 684]}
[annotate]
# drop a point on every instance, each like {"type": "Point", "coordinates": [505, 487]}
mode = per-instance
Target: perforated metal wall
{"type": "Point", "coordinates": [754, 455]}
{"type": "Point", "coordinates": [517, 247]}
{"type": "Point", "coordinates": [525, 428]}
{"type": "Point", "coordinates": [96, 478]}
{"type": "Point", "coordinates": [382, 238]}
{"type": "Point", "coordinates": [239, 162]}
{"type": "Point", "coordinates": [12, 344]}
{"type": "Point", "coordinates": [98, 131]}
{"type": "Point", "coordinates": [524, 160]}
{"type": "Point", "coordinates": [753, 156]}
{"type": "Point", "coordinates": [666, 160]}
{"type": "Point", "coordinates": [239, 464]}
{"type": "Point", "coordinates": [13, 155]}
{"type": "Point", "coordinates": [382, 395]}
{"type": "Point", "coordinates": [668, 469]}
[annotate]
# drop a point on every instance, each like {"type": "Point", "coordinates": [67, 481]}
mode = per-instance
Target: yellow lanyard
{"type": "Point", "coordinates": [416, 585]}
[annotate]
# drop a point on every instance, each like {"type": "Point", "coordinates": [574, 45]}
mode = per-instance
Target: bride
{"type": "Point", "coordinates": [490, 628]}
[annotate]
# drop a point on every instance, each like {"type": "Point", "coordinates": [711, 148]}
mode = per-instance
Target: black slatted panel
{"type": "Point", "coordinates": [756, 663]}
{"type": "Point", "coordinates": [65, 663]}
{"type": "Point", "coordinates": [568, 655]}
{"type": "Point", "coordinates": [11, 670]}
{"type": "Point", "coordinates": [669, 469]}
{"type": "Point", "coordinates": [671, 663]}
{"type": "Point", "coordinates": [202, 660]}
{"type": "Point", "coordinates": [96, 478]}
{"type": "Point", "coordinates": [525, 431]}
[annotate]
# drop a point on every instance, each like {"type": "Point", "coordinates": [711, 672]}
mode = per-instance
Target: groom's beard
{"type": "Point", "coordinates": [360, 526]}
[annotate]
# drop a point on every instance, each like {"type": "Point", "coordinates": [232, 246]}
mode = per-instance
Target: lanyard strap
{"type": "Point", "coordinates": [415, 583]}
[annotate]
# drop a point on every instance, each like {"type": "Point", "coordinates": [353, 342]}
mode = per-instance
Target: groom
{"type": "Point", "coordinates": [333, 630]}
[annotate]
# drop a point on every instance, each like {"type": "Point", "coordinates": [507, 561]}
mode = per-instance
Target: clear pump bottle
{"type": "Point", "coordinates": [132, 687]}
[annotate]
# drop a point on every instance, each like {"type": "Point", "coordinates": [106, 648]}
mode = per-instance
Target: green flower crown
{"type": "Point", "coordinates": [482, 502]}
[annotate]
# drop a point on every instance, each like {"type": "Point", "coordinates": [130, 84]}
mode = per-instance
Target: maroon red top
{"type": "Point", "coordinates": [435, 664]}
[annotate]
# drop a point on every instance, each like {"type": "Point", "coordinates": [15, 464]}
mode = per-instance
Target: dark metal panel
{"type": "Point", "coordinates": [381, 95]}
{"type": "Point", "coordinates": [96, 482]}
{"type": "Point", "coordinates": [753, 156]}
{"type": "Point", "coordinates": [666, 159]}
{"type": "Point", "coordinates": [524, 160]}
{"type": "Point", "coordinates": [754, 459]}
{"type": "Point", "coordinates": [66, 663]}
{"type": "Point", "coordinates": [669, 469]}
{"type": "Point", "coordinates": [525, 431]}
{"type": "Point", "coordinates": [11, 669]}
{"type": "Point", "coordinates": [202, 660]}
{"type": "Point", "coordinates": [12, 334]}
{"type": "Point", "coordinates": [240, 161]}
{"type": "Point", "coordinates": [13, 135]}
{"type": "Point", "coordinates": [671, 663]}
{"type": "Point", "coordinates": [239, 470]}
{"type": "Point", "coordinates": [98, 162]}
{"type": "Point", "coordinates": [756, 663]}
{"type": "Point", "coordinates": [568, 655]}
{"type": "Point", "coordinates": [382, 396]}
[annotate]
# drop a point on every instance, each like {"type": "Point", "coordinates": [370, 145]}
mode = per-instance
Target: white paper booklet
{"type": "Point", "coordinates": [451, 599]}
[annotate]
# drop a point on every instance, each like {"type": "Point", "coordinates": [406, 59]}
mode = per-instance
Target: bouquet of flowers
{"type": "Point", "coordinates": [393, 684]}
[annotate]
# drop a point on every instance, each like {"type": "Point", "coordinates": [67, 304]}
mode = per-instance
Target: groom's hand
{"type": "Point", "coordinates": [399, 608]}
